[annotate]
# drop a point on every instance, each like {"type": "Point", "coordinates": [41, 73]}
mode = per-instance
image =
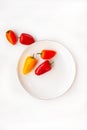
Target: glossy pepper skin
{"type": "Point", "coordinates": [26, 39]}
{"type": "Point", "coordinates": [43, 68]}
{"type": "Point", "coordinates": [11, 37]}
{"type": "Point", "coordinates": [47, 54]}
{"type": "Point", "coordinates": [29, 64]}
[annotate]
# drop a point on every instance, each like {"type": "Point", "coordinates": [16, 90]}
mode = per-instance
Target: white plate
{"type": "Point", "coordinates": [53, 83]}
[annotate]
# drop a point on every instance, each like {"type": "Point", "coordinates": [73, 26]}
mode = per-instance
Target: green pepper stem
{"type": "Point", "coordinates": [39, 53]}
{"type": "Point", "coordinates": [51, 62]}
{"type": "Point", "coordinates": [33, 56]}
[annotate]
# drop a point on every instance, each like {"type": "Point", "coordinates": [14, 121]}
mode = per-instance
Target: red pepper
{"type": "Point", "coordinates": [43, 68]}
{"type": "Point", "coordinates": [26, 39]}
{"type": "Point", "coordinates": [11, 37]}
{"type": "Point", "coordinates": [47, 54]}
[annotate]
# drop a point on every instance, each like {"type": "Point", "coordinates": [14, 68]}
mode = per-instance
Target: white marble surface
{"type": "Point", "coordinates": [59, 20]}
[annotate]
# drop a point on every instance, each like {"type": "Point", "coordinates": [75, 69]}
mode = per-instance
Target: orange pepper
{"type": "Point", "coordinates": [29, 64]}
{"type": "Point", "coordinates": [47, 54]}
{"type": "Point", "coordinates": [11, 37]}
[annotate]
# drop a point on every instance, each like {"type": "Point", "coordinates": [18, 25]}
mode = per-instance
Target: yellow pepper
{"type": "Point", "coordinates": [29, 64]}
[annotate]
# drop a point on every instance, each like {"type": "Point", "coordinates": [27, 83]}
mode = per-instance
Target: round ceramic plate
{"type": "Point", "coordinates": [53, 83]}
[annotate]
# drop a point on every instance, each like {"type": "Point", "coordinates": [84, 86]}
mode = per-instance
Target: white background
{"type": "Point", "coordinates": [59, 20]}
